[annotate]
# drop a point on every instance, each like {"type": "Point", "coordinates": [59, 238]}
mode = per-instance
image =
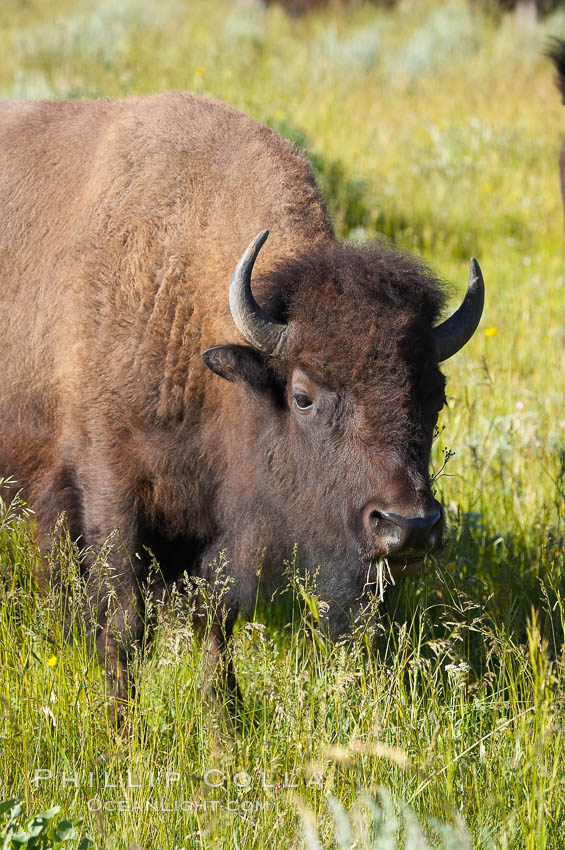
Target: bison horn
{"type": "Point", "coordinates": [263, 332]}
{"type": "Point", "coordinates": [452, 334]}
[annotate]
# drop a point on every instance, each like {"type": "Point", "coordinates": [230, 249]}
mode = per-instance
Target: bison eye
{"type": "Point", "coordinates": [302, 402]}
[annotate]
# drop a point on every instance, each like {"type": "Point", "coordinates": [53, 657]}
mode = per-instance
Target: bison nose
{"type": "Point", "coordinates": [393, 532]}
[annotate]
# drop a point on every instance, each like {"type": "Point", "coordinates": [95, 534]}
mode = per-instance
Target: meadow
{"type": "Point", "coordinates": [441, 725]}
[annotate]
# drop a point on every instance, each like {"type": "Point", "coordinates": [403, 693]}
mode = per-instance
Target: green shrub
{"type": "Point", "coordinates": [38, 832]}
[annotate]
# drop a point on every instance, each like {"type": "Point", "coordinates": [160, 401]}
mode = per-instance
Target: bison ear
{"type": "Point", "coordinates": [237, 363]}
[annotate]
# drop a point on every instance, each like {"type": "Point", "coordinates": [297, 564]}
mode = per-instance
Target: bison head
{"type": "Point", "coordinates": [343, 391]}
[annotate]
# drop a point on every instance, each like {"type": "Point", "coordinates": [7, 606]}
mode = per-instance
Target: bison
{"type": "Point", "coordinates": [292, 409]}
{"type": "Point", "coordinates": [556, 52]}
{"type": "Point", "coordinates": [300, 7]}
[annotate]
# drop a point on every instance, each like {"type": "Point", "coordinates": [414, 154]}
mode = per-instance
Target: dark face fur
{"type": "Point", "coordinates": [345, 416]}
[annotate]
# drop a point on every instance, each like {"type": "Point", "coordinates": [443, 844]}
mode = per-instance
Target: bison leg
{"type": "Point", "coordinates": [220, 673]}
{"type": "Point", "coordinates": [101, 517]}
{"type": "Point", "coordinates": [114, 580]}
{"type": "Point", "coordinates": [118, 604]}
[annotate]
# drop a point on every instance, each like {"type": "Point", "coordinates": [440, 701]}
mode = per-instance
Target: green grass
{"type": "Point", "coordinates": [440, 129]}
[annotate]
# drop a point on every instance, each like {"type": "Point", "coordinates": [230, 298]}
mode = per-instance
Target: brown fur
{"type": "Point", "coordinates": [300, 7]}
{"type": "Point", "coordinates": [555, 50]}
{"type": "Point", "coordinates": [121, 224]}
